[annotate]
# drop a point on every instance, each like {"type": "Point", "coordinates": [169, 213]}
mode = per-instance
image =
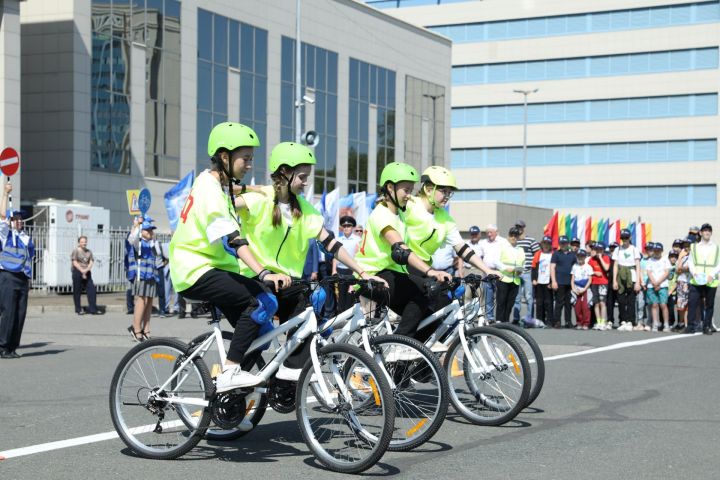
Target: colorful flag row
{"type": "Point", "coordinates": [588, 229]}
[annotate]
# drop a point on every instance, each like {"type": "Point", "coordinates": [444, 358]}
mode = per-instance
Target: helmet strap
{"type": "Point", "coordinates": [394, 200]}
{"type": "Point", "coordinates": [433, 203]}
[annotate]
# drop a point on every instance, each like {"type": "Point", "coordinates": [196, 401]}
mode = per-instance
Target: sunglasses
{"type": "Point", "coordinates": [359, 230]}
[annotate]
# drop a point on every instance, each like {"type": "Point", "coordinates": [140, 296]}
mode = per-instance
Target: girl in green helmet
{"type": "Point", "coordinates": [383, 250]}
{"type": "Point", "coordinates": [279, 223]}
{"type": "Point", "coordinates": [430, 226]}
{"type": "Point", "coordinates": [206, 245]}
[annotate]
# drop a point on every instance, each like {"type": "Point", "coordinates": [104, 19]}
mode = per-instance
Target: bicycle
{"type": "Point", "coordinates": [488, 372]}
{"type": "Point", "coordinates": [416, 377]}
{"type": "Point", "coordinates": [163, 399]}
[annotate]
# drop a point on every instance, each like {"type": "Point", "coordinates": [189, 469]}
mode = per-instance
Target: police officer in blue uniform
{"type": "Point", "coordinates": [15, 273]}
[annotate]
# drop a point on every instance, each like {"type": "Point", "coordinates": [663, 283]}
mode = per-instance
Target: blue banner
{"type": "Point", "coordinates": [175, 198]}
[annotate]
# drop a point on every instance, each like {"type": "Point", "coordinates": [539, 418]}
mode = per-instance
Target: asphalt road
{"type": "Point", "coordinates": [644, 411]}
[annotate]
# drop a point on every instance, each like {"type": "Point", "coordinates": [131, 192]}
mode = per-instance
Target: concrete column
{"type": "Point", "coordinates": [233, 95]}
{"type": "Point", "coordinates": [372, 148]}
{"type": "Point", "coordinates": [10, 87]}
{"type": "Point", "coordinates": [425, 144]}
{"type": "Point", "coordinates": [343, 113]}
{"type": "Point", "coordinates": [137, 107]}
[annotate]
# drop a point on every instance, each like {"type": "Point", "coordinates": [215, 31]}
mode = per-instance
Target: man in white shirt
{"type": "Point", "coordinates": [351, 243]}
{"type": "Point", "coordinates": [490, 249]}
{"type": "Point", "coordinates": [704, 265]}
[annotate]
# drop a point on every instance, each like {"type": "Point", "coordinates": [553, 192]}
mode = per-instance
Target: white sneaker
{"type": "Point", "coordinates": [401, 354]}
{"type": "Point", "coordinates": [235, 377]}
{"type": "Point", "coordinates": [289, 374]}
{"type": "Point", "coordinates": [597, 326]}
{"type": "Point", "coordinates": [439, 347]}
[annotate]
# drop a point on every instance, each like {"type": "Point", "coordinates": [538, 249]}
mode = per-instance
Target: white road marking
{"type": "Point", "coordinates": [73, 442]}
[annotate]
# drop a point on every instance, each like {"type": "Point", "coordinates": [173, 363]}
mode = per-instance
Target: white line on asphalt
{"type": "Point", "coordinates": [73, 442]}
{"type": "Point", "coordinates": [618, 346]}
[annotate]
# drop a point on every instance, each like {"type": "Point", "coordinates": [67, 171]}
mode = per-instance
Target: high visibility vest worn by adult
{"type": "Point", "coordinates": [512, 263]}
{"type": "Point", "coordinates": [281, 248]}
{"type": "Point", "coordinates": [425, 237]}
{"type": "Point", "coordinates": [16, 256]}
{"type": "Point", "coordinates": [704, 267]}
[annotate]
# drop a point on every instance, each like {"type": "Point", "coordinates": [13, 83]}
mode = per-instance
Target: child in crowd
{"type": "Point", "coordinates": [640, 310]}
{"type": "Point", "coordinates": [683, 286]}
{"type": "Point", "coordinates": [600, 264]}
{"type": "Point", "coordinates": [672, 287]}
{"type": "Point", "coordinates": [658, 270]}
{"type": "Point", "coordinates": [541, 281]}
{"type": "Point", "coordinates": [580, 282]}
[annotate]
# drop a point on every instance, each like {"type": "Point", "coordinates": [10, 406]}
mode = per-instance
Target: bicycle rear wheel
{"type": "Point", "coordinates": [534, 356]}
{"type": "Point", "coordinates": [235, 409]}
{"type": "Point", "coordinates": [493, 386]}
{"type": "Point", "coordinates": [144, 415]}
{"type": "Point", "coordinates": [351, 435]}
{"type": "Point", "coordinates": [421, 389]}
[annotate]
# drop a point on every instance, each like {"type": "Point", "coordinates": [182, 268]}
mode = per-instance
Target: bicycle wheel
{"type": "Point", "coordinates": [352, 435]}
{"type": "Point", "coordinates": [148, 423]}
{"type": "Point", "coordinates": [534, 356]}
{"type": "Point", "coordinates": [496, 388]}
{"type": "Point", "coordinates": [421, 389]}
{"type": "Point", "coordinates": [231, 408]}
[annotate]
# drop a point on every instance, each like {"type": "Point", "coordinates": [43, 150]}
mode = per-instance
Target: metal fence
{"type": "Point", "coordinates": [53, 248]}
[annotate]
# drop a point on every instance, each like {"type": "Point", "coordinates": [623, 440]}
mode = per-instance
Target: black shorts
{"type": "Point", "coordinates": [599, 293]}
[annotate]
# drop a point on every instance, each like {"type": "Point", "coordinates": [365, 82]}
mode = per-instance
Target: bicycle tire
{"type": "Point", "coordinates": [413, 408]}
{"type": "Point", "coordinates": [534, 356]}
{"type": "Point", "coordinates": [257, 404]}
{"type": "Point", "coordinates": [154, 355]}
{"type": "Point", "coordinates": [371, 439]}
{"type": "Point", "coordinates": [483, 401]}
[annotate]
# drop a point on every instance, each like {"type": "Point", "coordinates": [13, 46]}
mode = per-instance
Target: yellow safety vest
{"type": "Point", "coordinates": [704, 266]}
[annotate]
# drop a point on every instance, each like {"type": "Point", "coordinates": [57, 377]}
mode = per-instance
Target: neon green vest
{"type": "Point", "coordinates": [374, 253]}
{"type": "Point", "coordinates": [512, 261]}
{"type": "Point", "coordinates": [705, 266]}
{"type": "Point", "coordinates": [426, 237]}
{"type": "Point", "coordinates": [281, 249]}
{"type": "Point", "coordinates": [191, 254]}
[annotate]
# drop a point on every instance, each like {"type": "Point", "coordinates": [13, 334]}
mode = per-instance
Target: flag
{"type": "Point", "coordinates": [175, 198]}
{"type": "Point", "coordinates": [614, 232]}
{"type": "Point", "coordinates": [551, 230]}
{"type": "Point", "coordinates": [643, 236]}
{"type": "Point", "coordinates": [574, 227]}
{"type": "Point", "coordinates": [568, 225]}
{"type": "Point", "coordinates": [581, 230]}
{"type": "Point", "coordinates": [595, 230]}
{"type": "Point", "coordinates": [370, 200]}
{"type": "Point", "coordinates": [648, 232]}
{"type": "Point", "coordinates": [631, 227]}
{"type": "Point", "coordinates": [360, 208]}
{"type": "Point", "coordinates": [606, 231]}
{"type": "Point", "coordinates": [332, 204]}
{"type": "Point", "coordinates": [588, 230]}
{"type": "Point", "coordinates": [561, 225]}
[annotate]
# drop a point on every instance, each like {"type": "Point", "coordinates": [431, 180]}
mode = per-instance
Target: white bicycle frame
{"type": "Point", "coordinates": [308, 326]}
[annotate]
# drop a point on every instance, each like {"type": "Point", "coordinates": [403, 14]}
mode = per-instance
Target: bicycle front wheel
{"type": "Point", "coordinates": [344, 432]}
{"type": "Point", "coordinates": [490, 382]}
{"type": "Point", "coordinates": [421, 389]}
{"type": "Point", "coordinates": [534, 356]}
{"type": "Point", "coordinates": [150, 419]}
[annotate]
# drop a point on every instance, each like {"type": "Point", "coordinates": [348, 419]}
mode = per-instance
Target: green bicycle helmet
{"type": "Point", "coordinates": [231, 135]}
{"type": "Point", "coordinates": [291, 154]}
{"type": "Point", "coordinates": [396, 172]}
{"type": "Point", "coordinates": [440, 176]}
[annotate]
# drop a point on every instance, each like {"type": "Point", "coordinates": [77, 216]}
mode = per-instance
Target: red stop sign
{"type": "Point", "coordinates": [9, 162]}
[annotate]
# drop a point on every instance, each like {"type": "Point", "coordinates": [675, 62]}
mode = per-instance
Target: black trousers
{"type": "Point", "coordinates": [562, 303]}
{"type": "Point", "coordinates": [626, 305]}
{"type": "Point", "coordinates": [87, 283]}
{"type": "Point", "coordinates": [235, 296]}
{"type": "Point", "coordinates": [345, 298]}
{"type": "Point", "coordinates": [14, 289]}
{"type": "Point", "coordinates": [611, 296]}
{"type": "Point", "coordinates": [504, 300]}
{"type": "Point", "coordinates": [407, 297]}
{"type": "Point", "coordinates": [544, 303]}
{"type": "Point", "coordinates": [160, 289]}
{"type": "Point", "coordinates": [700, 295]}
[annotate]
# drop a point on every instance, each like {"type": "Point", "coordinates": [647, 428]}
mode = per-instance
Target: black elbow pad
{"type": "Point", "coordinates": [235, 240]}
{"type": "Point", "coordinates": [466, 253]}
{"type": "Point", "coordinates": [329, 241]}
{"type": "Point", "coordinates": [399, 254]}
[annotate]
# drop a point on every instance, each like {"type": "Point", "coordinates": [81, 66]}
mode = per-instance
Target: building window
{"type": "Point", "coordinates": [596, 22]}
{"type": "Point", "coordinates": [228, 49]}
{"type": "Point", "coordinates": [587, 67]}
{"type": "Point", "coordinates": [319, 80]}
{"type": "Point", "coordinates": [381, 4]}
{"type": "Point", "coordinates": [110, 89]}
{"type": "Point", "coordinates": [643, 196]}
{"type": "Point", "coordinates": [588, 154]}
{"type": "Point", "coordinates": [424, 123]}
{"type": "Point", "coordinates": [159, 27]}
{"type": "Point", "coordinates": [369, 85]}
{"type": "Point", "coordinates": [588, 111]}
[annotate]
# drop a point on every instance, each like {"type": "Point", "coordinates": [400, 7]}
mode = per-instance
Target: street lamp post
{"type": "Point", "coordinates": [298, 75]}
{"type": "Point", "coordinates": [433, 97]}
{"type": "Point", "coordinates": [525, 94]}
